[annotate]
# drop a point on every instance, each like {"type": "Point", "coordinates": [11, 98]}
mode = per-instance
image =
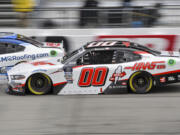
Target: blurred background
{"type": "Point", "coordinates": [89, 13]}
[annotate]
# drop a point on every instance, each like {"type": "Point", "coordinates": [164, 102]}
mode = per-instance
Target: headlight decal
{"type": "Point", "coordinates": [17, 77]}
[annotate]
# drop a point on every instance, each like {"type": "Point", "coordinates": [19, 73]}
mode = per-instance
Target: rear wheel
{"type": "Point", "coordinates": [141, 82]}
{"type": "Point", "coordinates": [39, 84]}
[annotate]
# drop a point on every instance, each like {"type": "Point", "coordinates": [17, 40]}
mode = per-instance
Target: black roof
{"type": "Point", "coordinates": [119, 44]}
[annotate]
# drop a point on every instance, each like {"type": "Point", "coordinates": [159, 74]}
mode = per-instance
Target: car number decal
{"type": "Point", "coordinates": [93, 76]}
{"type": "Point", "coordinates": [103, 43]}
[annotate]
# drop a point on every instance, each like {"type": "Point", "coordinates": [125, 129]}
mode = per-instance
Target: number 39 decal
{"type": "Point", "coordinates": [93, 76]}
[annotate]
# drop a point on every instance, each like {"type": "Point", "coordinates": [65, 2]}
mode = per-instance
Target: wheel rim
{"type": "Point", "coordinates": [139, 83]}
{"type": "Point", "coordinates": [38, 84]}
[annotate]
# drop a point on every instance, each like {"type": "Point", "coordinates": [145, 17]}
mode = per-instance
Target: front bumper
{"type": "Point", "coordinates": [15, 88]}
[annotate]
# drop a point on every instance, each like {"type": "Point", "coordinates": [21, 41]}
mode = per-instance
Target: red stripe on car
{"type": "Point", "coordinates": [79, 66]}
{"type": "Point", "coordinates": [169, 72]}
{"type": "Point", "coordinates": [60, 83]}
{"type": "Point", "coordinates": [141, 52]}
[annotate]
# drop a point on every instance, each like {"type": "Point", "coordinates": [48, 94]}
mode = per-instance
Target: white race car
{"type": "Point", "coordinates": [15, 48]}
{"type": "Point", "coordinates": [98, 67]}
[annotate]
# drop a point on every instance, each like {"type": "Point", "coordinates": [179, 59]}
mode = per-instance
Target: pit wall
{"type": "Point", "coordinates": [157, 38]}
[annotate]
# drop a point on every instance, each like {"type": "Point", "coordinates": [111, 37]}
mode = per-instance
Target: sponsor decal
{"type": "Point", "coordinates": [50, 44]}
{"type": "Point", "coordinates": [162, 79]}
{"type": "Point", "coordinates": [171, 78]}
{"type": "Point", "coordinates": [93, 77]}
{"type": "Point", "coordinates": [147, 65]}
{"type": "Point", "coordinates": [124, 83]}
{"type": "Point", "coordinates": [23, 57]}
{"type": "Point", "coordinates": [118, 73]}
{"type": "Point", "coordinates": [68, 74]}
{"type": "Point", "coordinates": [117, 86]}
{"type": "Point", "coordinates": [53, 53]}
{"type": "Point", "coordinates": [171, 62]}
{"type": "Point", "coordinates": [116, 78]}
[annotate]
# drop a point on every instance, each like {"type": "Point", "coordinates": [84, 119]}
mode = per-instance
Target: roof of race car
{"type": "Point", "coordinates": [18, 39]}
{"type": "Point", "coordinates": [8, 35]}
{"type": "Point", "coordinates": [10, 38]}
{"type": "Point", "coordinates": [116, 43]}
{"type": "Point", "coordinates": [110, 43]}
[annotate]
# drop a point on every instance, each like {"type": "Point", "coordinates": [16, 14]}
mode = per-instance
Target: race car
{"type": "Point", "coordinates": [97, 68]}
{"type": "Point", "coordinates": [15, 48]}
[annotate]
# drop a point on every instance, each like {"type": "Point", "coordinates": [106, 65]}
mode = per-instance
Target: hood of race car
{"type": "Point", "coordinates": [25, 68]}
{"type": "Point", "coordinates": [20, 68]}
{"type": "Point", "coordinates": [170, 54]}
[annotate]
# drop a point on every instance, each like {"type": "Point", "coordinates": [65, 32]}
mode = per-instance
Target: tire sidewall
{"type": "Point", "coordinates": [33, 90]}
{"type": "Point", "coordinates": [148, 78]}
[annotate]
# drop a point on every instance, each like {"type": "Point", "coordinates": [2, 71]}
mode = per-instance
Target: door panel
{"type": "Point", "coordinates": [91, 73]}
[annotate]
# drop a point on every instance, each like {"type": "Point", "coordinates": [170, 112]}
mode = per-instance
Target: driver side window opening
{"type": "Point", "coordinates": [96, 57]}
{"type": "Point", "coordinates": [6, 48]}
{"type": "Point", "coordinates": [126, 56]}
{"type": "Point", "coordinates": [107, 57]}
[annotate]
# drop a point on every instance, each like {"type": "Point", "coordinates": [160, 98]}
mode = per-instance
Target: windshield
{"type": "Point", "coordinates": [30, 40]}
{"type": "Point", "coordinates": [69, 55]}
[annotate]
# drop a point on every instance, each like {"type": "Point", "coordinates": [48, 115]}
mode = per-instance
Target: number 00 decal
{"type": "Point", "coordinates": [94, 77]}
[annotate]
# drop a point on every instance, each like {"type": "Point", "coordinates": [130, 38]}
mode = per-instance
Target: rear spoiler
{"type": "Point", "coordinates": [55, 45]}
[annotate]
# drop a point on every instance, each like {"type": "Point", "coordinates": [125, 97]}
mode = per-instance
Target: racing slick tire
{"type": "Point", "coordinates": [39, 84]}
{"type": "Point", "coordinates": [141, 82]}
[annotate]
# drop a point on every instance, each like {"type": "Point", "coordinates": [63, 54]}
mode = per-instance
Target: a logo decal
{"type": "Point", "coordinates": [53, 53]}
{"type": "Point", "coordinates": [171, 62]}
{"type": "Point", "coordinates": [24, 57]}
{"type": "Point", "coordinates": [147, 65]}
{"type": "Point", "coordinates": [118, 73]}
{"type": "Point", "coordinates": [68, 74]}
{"type": "Point", "coordinates": [171, 78]}
{"type": "Point", "coordinates": [162, 79]}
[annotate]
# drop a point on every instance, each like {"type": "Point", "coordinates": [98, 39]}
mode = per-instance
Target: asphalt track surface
{"type": "Point", "coordinates": [155, 113]}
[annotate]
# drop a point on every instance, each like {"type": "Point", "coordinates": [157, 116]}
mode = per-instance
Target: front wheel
{"type": "Point", "coordinates": [39, 84]}
{"type": "Point", "coordinates": [141, 82]}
